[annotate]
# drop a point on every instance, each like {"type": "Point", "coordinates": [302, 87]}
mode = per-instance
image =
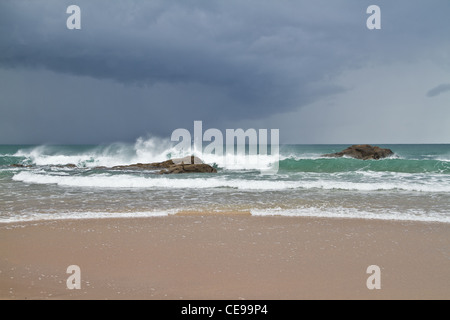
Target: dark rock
{"type": "Point", "coordinates": [146, 166]}
{"type": "Point", "coordinates": [363, 152]}
{"type": "Point", "coordinates": [189, 168]}
{"type": "Point", "coordinates": [20, 166]}
{"type": "Point", "coordinates": [139, 166]}
{"type": "Point", "coordinates": [188, 164]}
{"type": "Point", "coordinates": [70, 165]}
{"type": "Point", "coordinates": [188, 160]}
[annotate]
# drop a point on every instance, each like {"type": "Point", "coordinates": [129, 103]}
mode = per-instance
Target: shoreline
{"type": "Point", "coordinates": [232, 256]}
{"type": "Point", "coordinates": [81, 216]}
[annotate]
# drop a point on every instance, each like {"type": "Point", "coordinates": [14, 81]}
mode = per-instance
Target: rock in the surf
{"type": "Point", "coordinates": [16, 165]}
{"type": "Point", "coordinates": [190, 164]}
{"type": "Point", "coordinates": [145, 166]}
{"type": "Point", "coordinates": [189, 168]}
{"type": "Point", "coordinates": [363, 152]}
{"type": "Point", "coordinates": [188, 160]}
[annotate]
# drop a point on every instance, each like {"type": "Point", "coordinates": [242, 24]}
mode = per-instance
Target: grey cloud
{"type": "Point", "coordinates": [261, 54]}
{"type": "Point", "coordinates": [217, 59]}
{"type": "Point", "coordinates": [438, 90]}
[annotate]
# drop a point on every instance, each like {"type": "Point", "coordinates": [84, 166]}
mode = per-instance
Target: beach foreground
{"type": "Point", "coordinates": [230, 256]}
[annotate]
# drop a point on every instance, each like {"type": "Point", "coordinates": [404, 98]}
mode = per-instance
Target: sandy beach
{"type": "Point", "coordinates": [231, 256]}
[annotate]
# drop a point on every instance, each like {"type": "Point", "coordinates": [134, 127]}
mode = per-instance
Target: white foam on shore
{"type": "Point", "coordinates": [313, 212]}
{"type": "Point", "coordinates": [30, 217]}
{"type": "Point", "coordinates": [352, 213]}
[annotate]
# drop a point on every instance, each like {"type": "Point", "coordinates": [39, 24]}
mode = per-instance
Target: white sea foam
{"type": "Point", "coordinates": [107, 180]}
{"type": "Point", "coordinates": [26, 217]}
{"type": "Point", "coordinates": [319, 212]}
{"type": "Point", "coordinates": [130, 181]}
{"type": "Point", "coordinates": [353, 213]}
{"type": "Point", "coordinates": [143, 151]}
{"type": "Point", "coordinates": [444, 158]}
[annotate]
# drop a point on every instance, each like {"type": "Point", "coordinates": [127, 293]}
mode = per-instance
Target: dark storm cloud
{"type": "Point", "coordinates": [219, 59]}
{"type": "Point", "coordinates": [263, 56]}
{"type": "Point", "coordinates": [438, 90]}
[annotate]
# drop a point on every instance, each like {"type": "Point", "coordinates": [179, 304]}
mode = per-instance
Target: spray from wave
{"type": "Point", "coordinates": [148, 150]}
{"type": "Point", "coordinates": [144, 150]}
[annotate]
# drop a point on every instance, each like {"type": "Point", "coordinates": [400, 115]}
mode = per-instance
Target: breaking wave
{"type": "Point", "coordinates": [128, 181]}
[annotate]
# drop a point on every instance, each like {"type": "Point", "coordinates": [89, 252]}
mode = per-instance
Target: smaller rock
{"type": "Point", "coordinates": [363, 152]}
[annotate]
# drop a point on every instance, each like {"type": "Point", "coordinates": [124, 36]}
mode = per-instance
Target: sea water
{"type": "Point", "coordinates": [412, 185]}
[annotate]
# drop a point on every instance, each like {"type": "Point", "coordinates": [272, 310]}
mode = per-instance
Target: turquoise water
{"type": "Point", "coordinates": [414, 184]}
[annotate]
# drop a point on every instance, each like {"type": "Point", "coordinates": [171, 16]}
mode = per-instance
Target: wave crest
{"type": "Point", "coordinates": [128, 181]}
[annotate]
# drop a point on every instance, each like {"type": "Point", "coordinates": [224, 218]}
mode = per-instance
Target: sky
{"type": "Point", "coordinates": [312, 69]}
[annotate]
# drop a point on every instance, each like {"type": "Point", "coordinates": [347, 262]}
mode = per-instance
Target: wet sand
{"type": "Point", "coordinates": [194, 256]}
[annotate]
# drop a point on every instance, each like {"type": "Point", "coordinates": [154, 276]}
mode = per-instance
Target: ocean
{"type": "Point", "coordinates": [412, 185]}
